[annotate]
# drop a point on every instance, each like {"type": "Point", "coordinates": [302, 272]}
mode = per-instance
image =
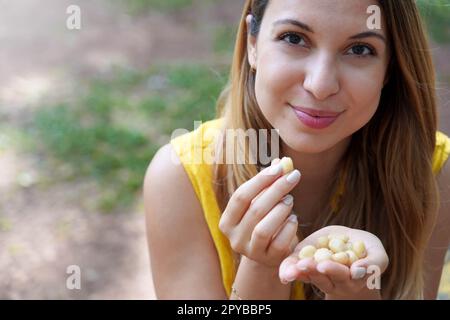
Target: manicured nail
{"type": "Point", "coordinates": [290, 279]}
{"type": "Point", "coordinates": [294, 176]}
{"type": "Point", "coordinates": [321, 268]}
{"type": "Point", "coordinates": [293, 218]}
{"type": "Point", "coordinates": [291, 274]}
{"type": "Point", "coordinates": [288, 199]}
{"type": "Point", "coordinates": [358, 273]}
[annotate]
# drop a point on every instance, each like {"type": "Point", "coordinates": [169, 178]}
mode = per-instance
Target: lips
{"type": "Point", "coordinates": [317, 113]}
{"type": "Point", "coordinates": [315, 119]}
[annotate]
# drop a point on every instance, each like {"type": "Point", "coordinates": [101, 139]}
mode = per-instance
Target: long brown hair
{"type": "Point", "coordinates": [390, 189]}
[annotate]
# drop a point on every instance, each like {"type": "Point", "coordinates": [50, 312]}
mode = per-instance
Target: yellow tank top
{"type": "Point", "coordinates": [196, 145]}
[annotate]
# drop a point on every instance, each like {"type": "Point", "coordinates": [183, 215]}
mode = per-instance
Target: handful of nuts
{"type": "Point", "coordinates": [336, 248]}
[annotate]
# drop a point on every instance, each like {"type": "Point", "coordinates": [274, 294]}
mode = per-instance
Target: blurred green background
{"type": "Point", "coordinates": [82, 113]}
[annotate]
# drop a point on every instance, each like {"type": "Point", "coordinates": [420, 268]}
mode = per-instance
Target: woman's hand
{"type": "Point", "coordinates": [338, 281]}
{"type": "Point", "coordinates": [258, 220]}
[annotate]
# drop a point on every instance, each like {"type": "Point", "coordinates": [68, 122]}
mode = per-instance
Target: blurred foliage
{"type": "Point", "coordinates": [113, 130]}
{"type": "Point", "coordinates": [436, 14]}
{"type": "Point", "coordinates": [224, 38]}
{"type": "Point", "coordinates": [136, 6]}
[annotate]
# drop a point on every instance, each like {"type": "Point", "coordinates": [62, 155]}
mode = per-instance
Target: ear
{"type": "Point", "coordinates": [251, 43]}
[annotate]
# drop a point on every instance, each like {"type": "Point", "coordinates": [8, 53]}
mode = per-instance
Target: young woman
{"type": "Point", "coordinates": [355, 107]}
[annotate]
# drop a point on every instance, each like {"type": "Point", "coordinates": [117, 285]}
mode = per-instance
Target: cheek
{"type": "Point", "coordinates": [365, 92]}
{"type": "Point", "coordinates": [273, 80]}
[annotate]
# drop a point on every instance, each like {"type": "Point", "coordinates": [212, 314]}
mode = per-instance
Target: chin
{"type": "Point", "coordinates": [306, 145]}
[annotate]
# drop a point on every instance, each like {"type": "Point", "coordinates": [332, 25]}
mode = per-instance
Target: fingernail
{"type": "Point", "coordinates": [293, 218]}
{"type": "Point", "coordinates": [294, 176]}
{"type": "Point", "coordinates": [290, 279]}
{"type": "Point", "coordinates": [320, 268]}
{"type": "Point", "coordinates": [291, 274]}
{"type": "Point", "coordinates": [358, 273]}
{"type": "Point", "coordinates": [288, 199]}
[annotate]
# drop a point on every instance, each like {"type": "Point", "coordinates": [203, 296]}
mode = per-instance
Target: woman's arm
{"type": "Point", "coordinates": [249, 284]}
{"type": "Point", "coordinates": [440, 238]}
{"type": "Point", "coordinates": [183, 257]}
{"type": "Point", "coordinates": [184, 261]}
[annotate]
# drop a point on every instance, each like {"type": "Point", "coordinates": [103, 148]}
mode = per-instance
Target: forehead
{"type": "Point", "coordinates": [324, 15]}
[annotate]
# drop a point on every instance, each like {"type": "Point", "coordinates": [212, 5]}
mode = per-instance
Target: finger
{"type": "Point", "coordinates": [294, 243]}
{"type": "Point", "coordinates": [376, 260]}
{"type": "Point", "coordinates": [274, 161]}
{"type": "Point", "coordinates": [288, 271]}
{"type": "Point", "coordinates": [322, 282]}
{"type": "Point", "coordinates": [308, 268]}
{"type": "Point", "coordinates": [304, 267]}
{"type": "Point", "coordinates": [280, 244]}
{"type": "Point", "coordinates": [270, 198]}
{"type": "Point", "coordinates": [242, 197]}
{"type": "Point", "coordinates": [340, 276]}
{"type": "Point", "coordinates": [267, 228]}
{"type": "Point", "coordinates": [336, 272]}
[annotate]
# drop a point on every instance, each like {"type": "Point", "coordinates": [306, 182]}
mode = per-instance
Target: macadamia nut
{"type": "Point", "coordinates": [322, 242]}
{"type": "Point", "coordinates": [307, 252]}
{"type": "Point", "coordinates": [287, 164]}
{"type": "Point", "coordinates": [352, 257]}
{"type": "Point", "coordinates": [335, 247]}
{"type": "Point", "coordinates": [359, 249]}
{"type": "Point", "coordinates": [323, 254]}
{"type": "Point", "coordinates": [340, 257]}
{"type": "Point", "coordinates": [342, 237]}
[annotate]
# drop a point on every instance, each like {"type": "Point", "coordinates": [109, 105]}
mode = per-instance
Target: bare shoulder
{"type": "Point", "coordinates": [163, 171]}
{"type": "Point", "coordinates": [183, 257]}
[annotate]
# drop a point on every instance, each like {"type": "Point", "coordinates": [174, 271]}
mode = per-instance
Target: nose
{"type": "Point", "coordinates": [321, 78]}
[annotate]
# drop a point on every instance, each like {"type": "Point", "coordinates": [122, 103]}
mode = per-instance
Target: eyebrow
{"type": "Point", "coordinates": [305, 27]}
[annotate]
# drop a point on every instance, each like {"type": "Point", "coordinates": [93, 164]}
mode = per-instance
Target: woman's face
{"type": "Point", "coordinates": [330, 68]}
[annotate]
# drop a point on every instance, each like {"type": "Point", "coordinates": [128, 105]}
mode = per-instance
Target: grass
{"type": "Point", "coordinates": [113, 130]}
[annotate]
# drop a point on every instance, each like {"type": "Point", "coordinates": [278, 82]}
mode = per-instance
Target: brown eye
{"type": "Point", "coordinates": [362, 51]}
{"type": "Point", "coordinates": [292, 38]}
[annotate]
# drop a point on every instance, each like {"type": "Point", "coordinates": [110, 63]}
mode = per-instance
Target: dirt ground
{"type": "Point", "coordinates": [43, 227]}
